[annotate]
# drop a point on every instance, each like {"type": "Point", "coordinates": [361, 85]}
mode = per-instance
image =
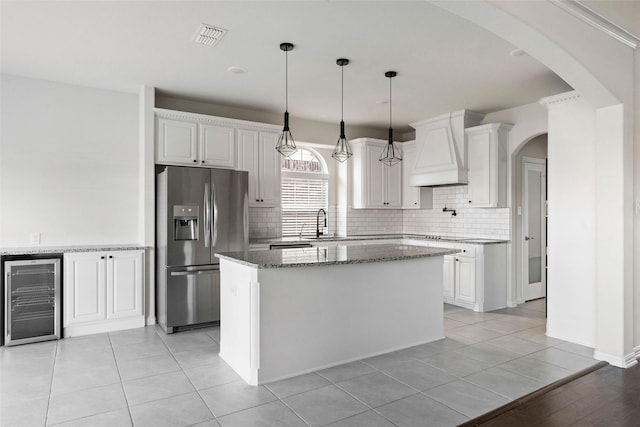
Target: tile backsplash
{"type": "Point", "coordinates": [344, 220]}
{"type": "Point", "coordinates": [469, 222]}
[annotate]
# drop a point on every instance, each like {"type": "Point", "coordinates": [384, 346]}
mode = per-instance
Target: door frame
{"type": "Point", "coordinates": [524, 278]}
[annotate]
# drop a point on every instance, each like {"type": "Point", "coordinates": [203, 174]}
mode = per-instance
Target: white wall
{"type": "Point", "coordinates": [69, 164]}
{"type": "Point", "coordinates": [571, 280]}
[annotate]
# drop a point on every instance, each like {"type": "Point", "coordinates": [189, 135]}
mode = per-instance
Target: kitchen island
{"type": "Point", "coordinates": [291, 311]}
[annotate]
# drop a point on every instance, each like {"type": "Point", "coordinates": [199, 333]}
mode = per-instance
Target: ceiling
{"type": "Point", "coordinates": [444, 63]}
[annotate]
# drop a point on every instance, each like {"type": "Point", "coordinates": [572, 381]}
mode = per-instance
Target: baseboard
{"type": "Point", "coordinates": [104, 326]}
{"type": "Point", "coordinates": [151, 320]}
{"type": "Point", "coordinates": [621, 362]}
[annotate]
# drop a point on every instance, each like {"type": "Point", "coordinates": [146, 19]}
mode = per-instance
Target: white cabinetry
{"type": "Point", "coordinates": [194, 140]}
{"type": "Point", "coordinates": [103, 291]}
{"type": "Point", "coordinates": [488, 154]}
{"type": "Point", "coordinates": [413, 197]}
{"type": "Point", "coordinates": [258, 156]}
{"type": "Point", "coordinates": [475, 277]}
{"type": "Point", "coordinates": [375, 185]}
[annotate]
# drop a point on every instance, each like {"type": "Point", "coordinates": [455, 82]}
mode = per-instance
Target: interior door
{"type": "Point", "coordinates": [533, 227]}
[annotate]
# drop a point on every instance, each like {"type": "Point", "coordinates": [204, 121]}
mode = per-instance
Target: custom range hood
{"type": "Point", "coordinates": [441, 149]}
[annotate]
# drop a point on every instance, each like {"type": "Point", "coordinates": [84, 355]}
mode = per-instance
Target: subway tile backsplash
{"type": "Point", "coordinates": [469, 222]}
{"type": "Point", "coordinates": [344, 220]}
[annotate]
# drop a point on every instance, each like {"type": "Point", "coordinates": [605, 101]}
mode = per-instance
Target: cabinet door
{"type": "Point", "coordinates": [270, 168]}
{"type": "Point", "coordinates": [124, 284]}
{"type": "Point", "coordinates": [448, 276]}
{"type": "Point", "coordinates": [375, 178]}
{"type": "Point", "coordinates": [248, 161]}
{"type": "Point", "coordinates": [480, 169]}
{"type": "Point", "coordinates": [410, 195]}
{"type": "Point", "coordinates": [465, 281]}
{"type": "Point", "coordinates": [393, 180]}
{"type": "Point", "coordinates": [176, 142]}
{"type": "Point", "coordinates": [84, 288]}
{"type": "Point", "coordinates": [217, 146]}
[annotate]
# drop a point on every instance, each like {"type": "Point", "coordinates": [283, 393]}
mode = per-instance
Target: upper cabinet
{"type": "Point", "coordinates": [375, 185]}
{"type": "Point", "coordinates": [258, 156]}
{"type": "Point", "coordinates": [488, 154]}
{"type": "Point", "coordinates": [194, 140]}
{"type": "Point", "coordinates": [413, 197]}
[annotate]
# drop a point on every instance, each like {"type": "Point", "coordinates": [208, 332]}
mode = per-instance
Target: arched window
{"type": "Point", "coordinates": [305, 188]}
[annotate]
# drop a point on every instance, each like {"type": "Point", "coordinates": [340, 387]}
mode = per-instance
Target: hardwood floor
{"type": "Point", "coordinates": [607, 396]}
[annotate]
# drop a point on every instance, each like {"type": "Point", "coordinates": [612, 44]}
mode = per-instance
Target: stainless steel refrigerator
{"type": "Point", "coordinates": [199, 212]}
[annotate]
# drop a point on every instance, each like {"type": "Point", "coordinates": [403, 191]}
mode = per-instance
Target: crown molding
{"type": "Point", "coordinates": [560, 98]}
{"type": "Point", "coordinates": [597, 21]}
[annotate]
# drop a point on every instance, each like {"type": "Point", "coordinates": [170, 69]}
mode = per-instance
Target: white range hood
{"type": "Point", "coordinates": [441, 149]}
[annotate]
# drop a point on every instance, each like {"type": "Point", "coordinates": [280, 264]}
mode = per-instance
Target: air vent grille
{"type": "Point", "coordinates": [209, 35]}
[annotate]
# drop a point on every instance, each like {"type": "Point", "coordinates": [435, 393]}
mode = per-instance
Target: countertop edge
{"type": "Point", "coordinates": [439, 252]}
{"type": "Point", "coordinates": [36, 250]}
{"type": "Point", "coordinates": [421, 237]}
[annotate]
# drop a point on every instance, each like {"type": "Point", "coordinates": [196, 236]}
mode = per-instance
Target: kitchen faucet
{"type": "Point", "coordinates": [318, 232]}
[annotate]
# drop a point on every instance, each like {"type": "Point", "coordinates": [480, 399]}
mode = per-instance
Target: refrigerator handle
{"type": "Point", "coordinates": [215, 215]}
{"type": "Point", "coordinates": [207, 216]}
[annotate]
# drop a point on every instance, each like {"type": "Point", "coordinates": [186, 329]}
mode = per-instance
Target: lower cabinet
{"type": "Point", "coordinates": [475, 277]}
{"type": "Point", "coordinates": [103, 291]}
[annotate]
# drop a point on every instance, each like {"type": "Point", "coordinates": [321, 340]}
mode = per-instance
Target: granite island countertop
{"type": "Point", "coordinates": [323, 256]}
{"type": "Point", "coordinates": [382, 237]}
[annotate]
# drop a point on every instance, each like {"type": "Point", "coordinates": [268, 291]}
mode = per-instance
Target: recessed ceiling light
{"type": "Point", "coordinates": [237, 70]}
{"type": "Point", "coordinates": [517, 52]}
{"type": "Point", "coordinates": [382, 101]}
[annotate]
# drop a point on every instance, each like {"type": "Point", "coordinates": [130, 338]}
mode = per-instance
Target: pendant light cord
{"type": "Point", "coordinates": [342, 94]}
{"type": "Point", "coordinates": [286, 80]}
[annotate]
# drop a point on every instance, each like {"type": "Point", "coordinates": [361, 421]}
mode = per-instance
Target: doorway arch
{"type": "Point", "coordinates": [611, 92]}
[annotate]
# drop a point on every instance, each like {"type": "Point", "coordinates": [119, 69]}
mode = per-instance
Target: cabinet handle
{"type": "Point", "coordinates": [262, 200]}
{"type": "Point", "coordinates": [102, 257]}
{"type": "Point", "coordinates": [195, 161]}
{"type": "Point", "coordinates": [110, 256]}
{"type": "Point", "coordinates": [415, 203]}
{"type": "Point", "coordinates": [203, 161]}
{"type": "Point", "coordinates": [469, 201]}
{"type": "Point", "coordinates": [257, 200]}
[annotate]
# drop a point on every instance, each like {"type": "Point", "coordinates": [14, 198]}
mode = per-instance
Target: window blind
{"type": "Point", "coordinates": [301, 199]}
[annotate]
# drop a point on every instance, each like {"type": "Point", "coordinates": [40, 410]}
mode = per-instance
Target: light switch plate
{"type": "Point", "coordinates": [34, 238]}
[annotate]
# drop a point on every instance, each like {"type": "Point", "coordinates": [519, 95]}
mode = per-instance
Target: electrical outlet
{"type": "Point", "coordinates": [34, 238]}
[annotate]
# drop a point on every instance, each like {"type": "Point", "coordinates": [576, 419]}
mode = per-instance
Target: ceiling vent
{"type": "Point", "coordinates": [209, 35]}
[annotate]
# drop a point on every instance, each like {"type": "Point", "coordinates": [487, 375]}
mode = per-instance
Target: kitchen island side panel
{"type": "Point", "coordinates": [311, 318]}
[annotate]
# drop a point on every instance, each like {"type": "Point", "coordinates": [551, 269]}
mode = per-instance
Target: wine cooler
{"type": "Point", "coordinates": [32, 300]}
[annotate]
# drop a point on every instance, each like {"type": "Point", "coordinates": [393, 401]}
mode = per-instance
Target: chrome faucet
{"type": "Point", "coordinates": [318, 232]}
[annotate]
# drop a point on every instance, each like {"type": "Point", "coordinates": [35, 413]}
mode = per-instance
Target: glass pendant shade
{"type": "Point", "coordinates": [286, 145]}
{"type": "Point", "coordinates": [390, 155]}
{"type": "Point", "coordinates": [343, 150]}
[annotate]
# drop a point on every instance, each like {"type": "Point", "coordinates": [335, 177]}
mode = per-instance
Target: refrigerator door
{"type": "Point", "coordinates": [194, 293]}
{"type": "Point", "coordinates": [229, 207]}
{"type": "Point", "coordinates": [188, 223]}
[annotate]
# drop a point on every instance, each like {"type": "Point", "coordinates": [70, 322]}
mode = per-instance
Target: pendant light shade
{"type": "Point", "coordinates": [343, 150]}
{"type": "Point", "coordinates": [286, 145]}
{"type": "Point", "coordinates": [390, 155]}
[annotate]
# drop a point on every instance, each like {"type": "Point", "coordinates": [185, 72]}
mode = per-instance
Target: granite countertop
{"type": "Point", "coordinates": [311, 239]}
{"type": "Point", "coordinates": [34, 250]}
{"type": "Point", "coordinates": [341, 254]}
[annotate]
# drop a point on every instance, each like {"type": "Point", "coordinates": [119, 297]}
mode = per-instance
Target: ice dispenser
{"type": "Point", "coordinates": [185, 219]}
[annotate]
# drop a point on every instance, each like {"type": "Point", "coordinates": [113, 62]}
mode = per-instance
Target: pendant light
{"type": "Point", "coordinates": [390, 155]}
{"type": "Point", "coordinates": [342, 151]}
{"type": "Point", "coordinates": [286, 145]}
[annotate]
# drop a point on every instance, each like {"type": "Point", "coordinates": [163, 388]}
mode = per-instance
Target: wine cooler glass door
{"type": "Point", "coordinates": [32, 298]}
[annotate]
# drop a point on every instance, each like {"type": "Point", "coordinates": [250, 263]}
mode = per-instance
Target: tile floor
{"type": "Point", "coordinates": [143, 377]}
